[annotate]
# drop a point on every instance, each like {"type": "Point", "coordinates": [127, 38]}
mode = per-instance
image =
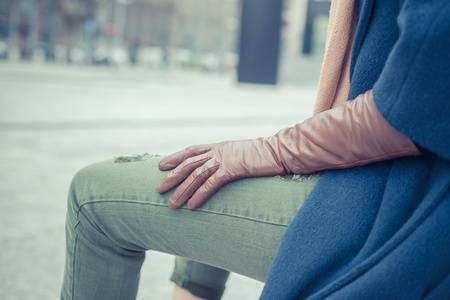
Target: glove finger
{"type": "Point", "coordinates": [211, 185]}
{"type": "Point", "coordinates": [175, 159]}
{"type": "Point", "coordinates": [180, 173]}
{"type": "Point", "coordinates": [191, 184]}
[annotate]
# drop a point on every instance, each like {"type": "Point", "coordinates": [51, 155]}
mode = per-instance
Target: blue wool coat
{"type": "Point", "coordinates": [382, 231]}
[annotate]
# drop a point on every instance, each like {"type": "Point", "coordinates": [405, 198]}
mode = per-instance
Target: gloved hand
{"type": "Point", "coordinates": [351, 134]}
{"type": "Point", "coordinates": [204, 169]}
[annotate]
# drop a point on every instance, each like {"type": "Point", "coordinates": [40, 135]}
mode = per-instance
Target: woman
{"type": "Point", "coordinates": [375, 227]}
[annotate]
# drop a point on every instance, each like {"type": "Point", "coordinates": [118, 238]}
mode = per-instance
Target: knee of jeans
{"type": "Point", "coordinates": [85, 189]}
{"type": "Point", "coordinates": [82, 186]}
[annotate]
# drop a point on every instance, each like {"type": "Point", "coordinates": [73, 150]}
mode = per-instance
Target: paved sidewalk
{"type": "Point", "coordinates": [56, 119]}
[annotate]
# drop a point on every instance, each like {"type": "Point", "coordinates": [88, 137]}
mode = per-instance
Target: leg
{"type": "Point", "coordinates": [115, 215]}
{"type": "Point", "coordinates": [180, 293]}
{"type": "Point", "coordinates": [203, 281]}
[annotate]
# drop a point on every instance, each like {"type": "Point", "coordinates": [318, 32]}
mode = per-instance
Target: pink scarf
{"type": "Point", "coordinates": [334, 83]}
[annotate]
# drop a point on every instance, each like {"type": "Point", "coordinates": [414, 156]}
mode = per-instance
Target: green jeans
{"type": "Point", "coordinates": [114, 216]}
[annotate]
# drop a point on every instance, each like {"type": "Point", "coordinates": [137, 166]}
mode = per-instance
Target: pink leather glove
{"type": "Point", "coordinates": [351, 134]}
{"type": "Point", "coordinates": [202, 170]}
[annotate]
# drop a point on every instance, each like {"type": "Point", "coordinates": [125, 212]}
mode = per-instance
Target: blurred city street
{"type": "Point", "coordinates": [55, 119]}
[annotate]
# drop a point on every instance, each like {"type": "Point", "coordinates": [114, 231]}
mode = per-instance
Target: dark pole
{"type": "Point", "coordinates": [308, 34]}
{"type": "Point", "coordinates": [259, 45]}
{"type": "Point", "coordinates": [315, 9]}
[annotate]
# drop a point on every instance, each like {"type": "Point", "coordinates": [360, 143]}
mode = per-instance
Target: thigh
{"type": "Point", "coordinates": [238, 229]}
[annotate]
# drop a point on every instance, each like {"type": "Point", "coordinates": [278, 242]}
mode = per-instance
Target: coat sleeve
{"type": "Point", "coordinates": [413, 90]}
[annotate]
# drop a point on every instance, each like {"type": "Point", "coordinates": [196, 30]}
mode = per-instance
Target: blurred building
{"type": "Point", "coordinates": [200, 34]}
{"type": "Point", "coordinates": [185, 33]}
{"type": "Point", "coordinates": [32, 28]}
{"type": "Point", "coordinates": [200, 31]}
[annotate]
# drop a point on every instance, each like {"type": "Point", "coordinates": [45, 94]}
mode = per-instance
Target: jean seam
{"type": "Point", "coordinates": [73, 265]}
{"type": "Point", "coordinates": [163, 205]}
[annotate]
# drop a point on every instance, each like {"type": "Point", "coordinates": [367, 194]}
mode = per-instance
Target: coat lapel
{"type": "Point", "coordinates": [365, 8]}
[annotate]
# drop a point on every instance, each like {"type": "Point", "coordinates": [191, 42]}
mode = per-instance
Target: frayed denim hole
{"type": "Point", "coordinates": [133, 158]}
{"type": "Point", "coordinates": [298, 177]}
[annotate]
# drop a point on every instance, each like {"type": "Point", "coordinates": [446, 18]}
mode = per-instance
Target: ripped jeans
{"type": "Point", "coordinates": [114, 216]}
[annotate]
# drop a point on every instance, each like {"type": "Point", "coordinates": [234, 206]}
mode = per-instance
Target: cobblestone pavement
{"type": "Point", "coordinates": [56, 119]}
